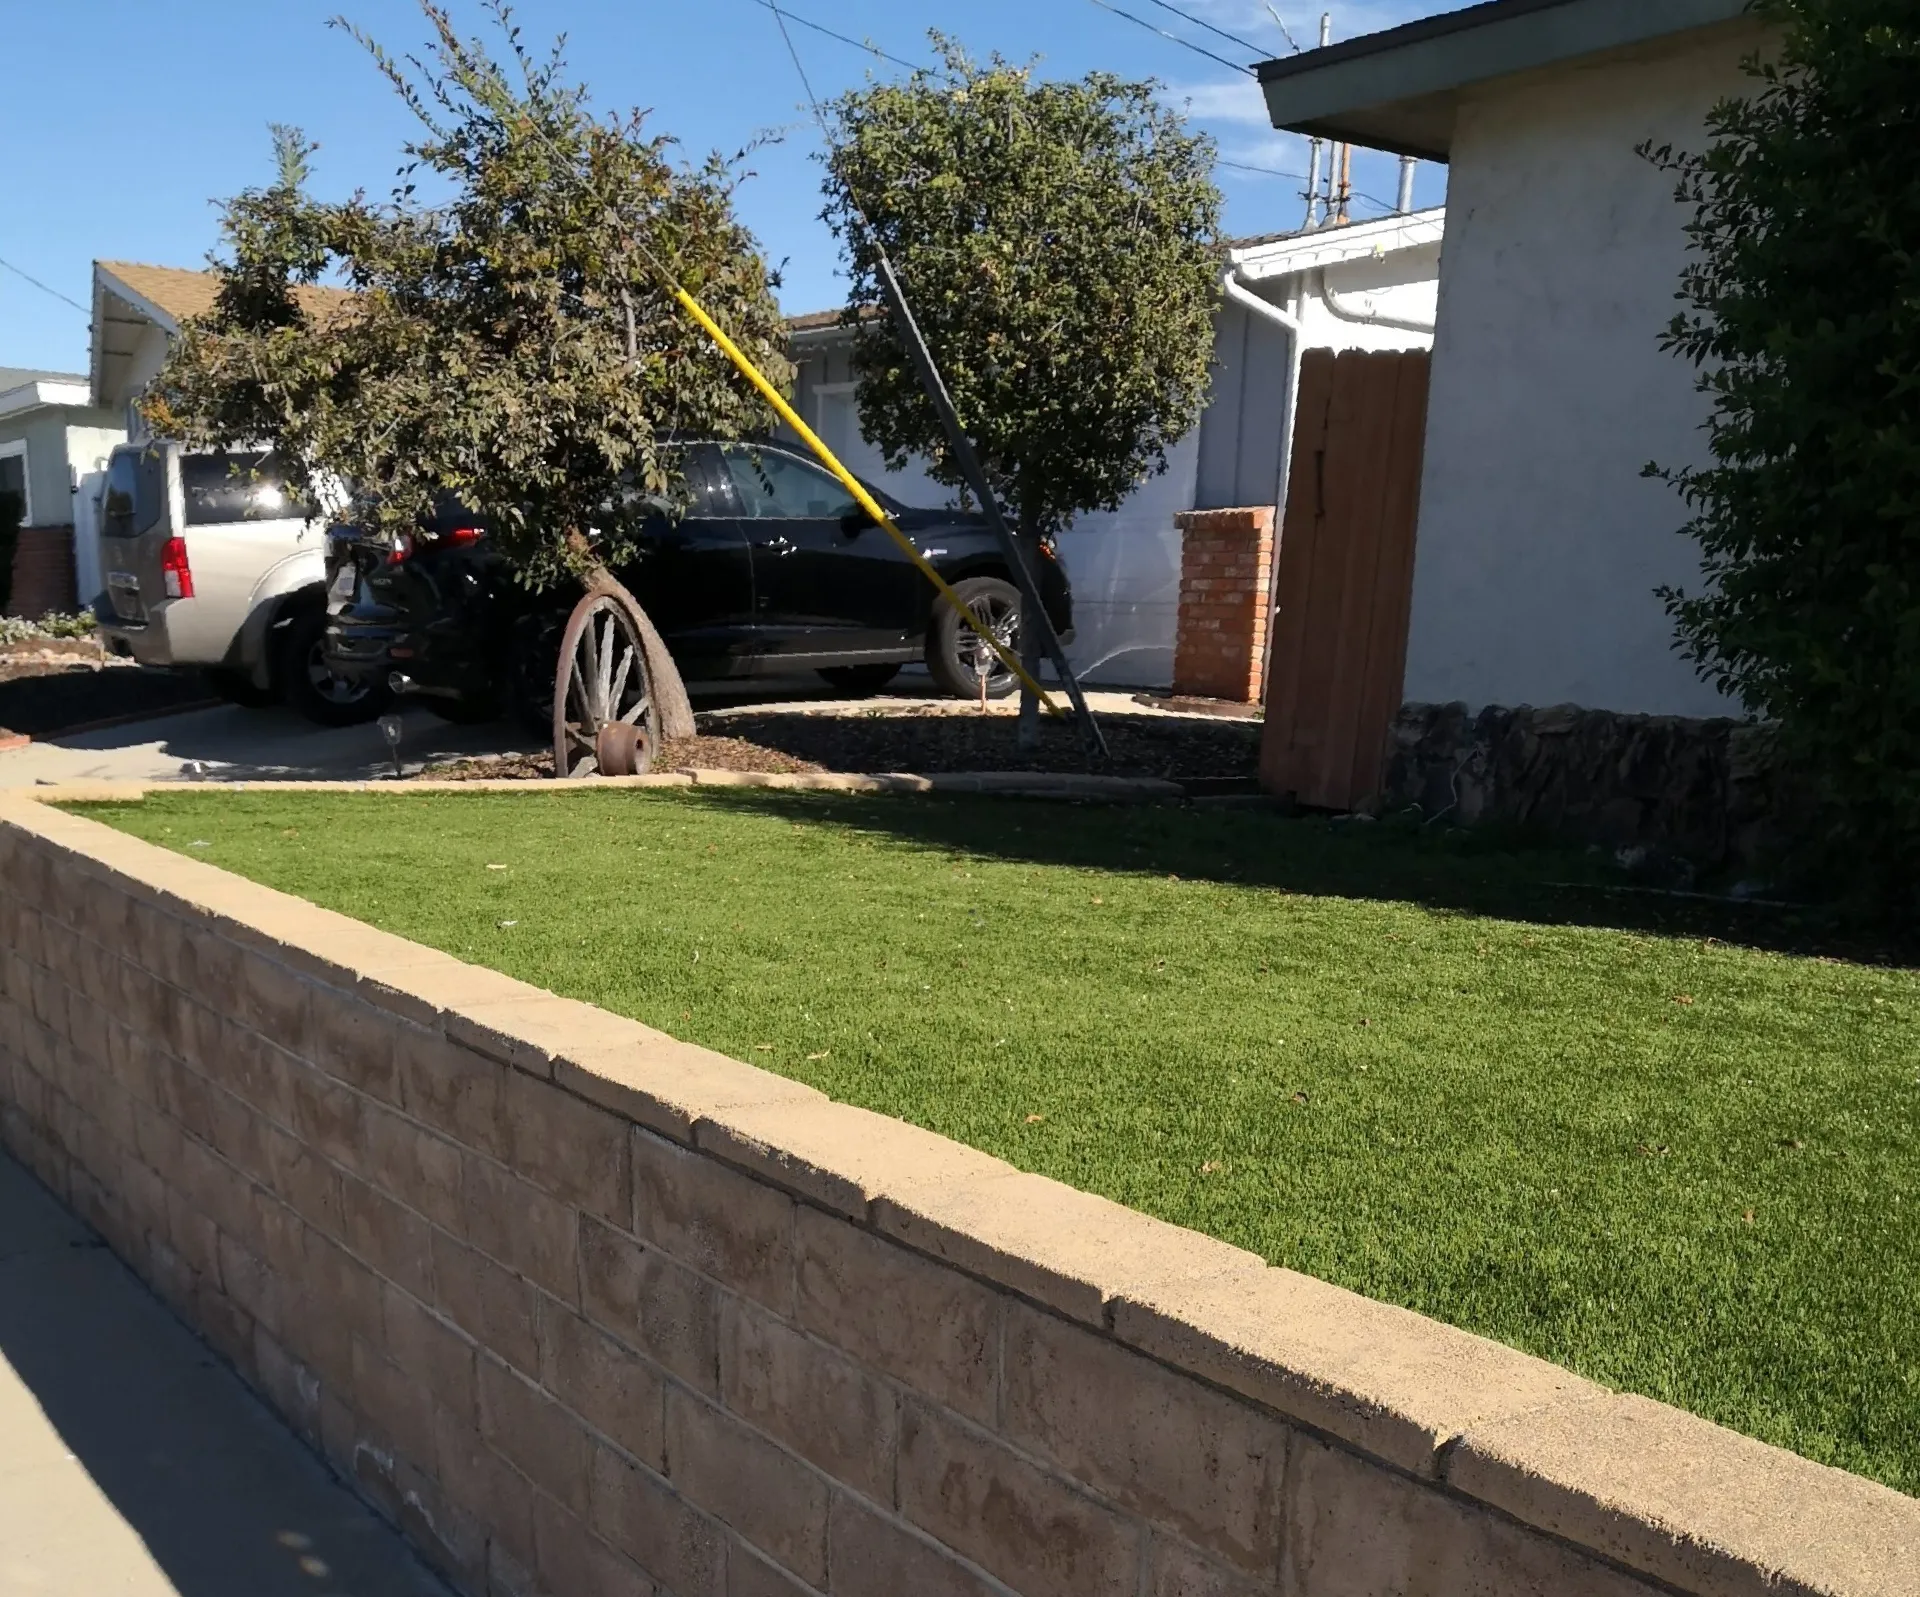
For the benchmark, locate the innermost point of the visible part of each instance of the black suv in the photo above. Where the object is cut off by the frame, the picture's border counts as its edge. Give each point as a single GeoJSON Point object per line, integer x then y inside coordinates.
{"type": "Point", "coordinates": [771, 569]}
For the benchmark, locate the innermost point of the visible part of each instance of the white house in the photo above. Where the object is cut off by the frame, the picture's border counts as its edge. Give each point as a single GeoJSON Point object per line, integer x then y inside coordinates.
{"type": "Point", "coordinates": [1371, 285]}
{"type": "Point", "coordinates": [53, 440]}
{"type": "Point", "coordinates": [1540, 543]}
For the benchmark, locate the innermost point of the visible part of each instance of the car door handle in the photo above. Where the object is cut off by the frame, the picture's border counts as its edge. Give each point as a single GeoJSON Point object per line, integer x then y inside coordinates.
{"type": "Point", "coordinates": [778, 544]}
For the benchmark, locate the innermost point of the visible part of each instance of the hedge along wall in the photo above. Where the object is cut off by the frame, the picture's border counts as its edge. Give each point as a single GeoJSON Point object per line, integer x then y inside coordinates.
{"type": "Point", "coordinates": [586, 1310]}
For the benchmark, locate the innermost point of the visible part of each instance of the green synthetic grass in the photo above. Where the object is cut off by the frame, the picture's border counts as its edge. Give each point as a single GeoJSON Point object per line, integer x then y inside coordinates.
{"type": "Point", "coordinates": [1679, 1163]}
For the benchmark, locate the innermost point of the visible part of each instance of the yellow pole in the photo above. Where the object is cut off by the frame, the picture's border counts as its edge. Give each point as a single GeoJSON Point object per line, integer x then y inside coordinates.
{"type": "Point", "coordinates": [854, 486]}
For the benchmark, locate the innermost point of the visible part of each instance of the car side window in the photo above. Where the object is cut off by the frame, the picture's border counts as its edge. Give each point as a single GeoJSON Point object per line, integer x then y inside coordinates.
{"type": "Point", "coordinates": [772, 485]}
{"type": "Point", "coordinates": [706, 484]}
{"type": "Point", "coordinates": [225, 488]}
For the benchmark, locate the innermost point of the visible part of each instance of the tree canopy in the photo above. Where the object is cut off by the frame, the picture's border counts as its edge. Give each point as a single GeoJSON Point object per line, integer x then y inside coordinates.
{"type": "Point", "coordinates": [1803, 316]}
{"type": "Point", "coordinates": [1056, 241]}
{"type": "Point", "coordinates": [510, 338]}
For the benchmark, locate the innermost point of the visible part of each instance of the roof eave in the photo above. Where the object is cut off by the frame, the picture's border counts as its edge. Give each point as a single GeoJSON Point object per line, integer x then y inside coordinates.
{"type": "Point", "coordinates": [45, 395]}
{"type": "Point", "coordinates": [1399, 90]}
{"type": "Point", "coordinates": [1329, 246]}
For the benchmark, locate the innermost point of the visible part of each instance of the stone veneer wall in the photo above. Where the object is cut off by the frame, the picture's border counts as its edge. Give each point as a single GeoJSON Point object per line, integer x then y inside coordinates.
{"type": "Point", "coordinates": [1710, 791]}
{"type": "Point", "coordinates": [1226, 571]}
{"type": "Point", "coordinates": [588, 1311]}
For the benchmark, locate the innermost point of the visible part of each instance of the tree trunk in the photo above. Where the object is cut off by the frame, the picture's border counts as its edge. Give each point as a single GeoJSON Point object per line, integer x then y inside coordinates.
{"type": "Point", "coordinates": [672, 707]}
{"type": "Point", "coordinates": [1027, 734]}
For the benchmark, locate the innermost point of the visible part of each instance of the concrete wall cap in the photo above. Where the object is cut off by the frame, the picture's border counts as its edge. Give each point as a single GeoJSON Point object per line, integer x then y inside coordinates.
{"type": "Point", "coordinates": [836, 1155]}
{"type": "Point", "coordinates": [1074, 1251]}
{"type": "Point", "coordinates": [671, 1086]}
{"type": "Point", "coordinates": [1687, 1502]}
{"type": "Point", "coordinates": [1382, 1379]}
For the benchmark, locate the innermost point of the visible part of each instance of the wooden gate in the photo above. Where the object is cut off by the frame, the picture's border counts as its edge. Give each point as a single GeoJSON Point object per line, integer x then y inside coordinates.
{"type": "Point", "coordinates": [1344, 585]}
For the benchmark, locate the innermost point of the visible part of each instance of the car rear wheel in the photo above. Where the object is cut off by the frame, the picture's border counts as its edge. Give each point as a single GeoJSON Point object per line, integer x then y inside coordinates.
{"type": "Point", "coordinates": [236, 687]}
{"type": "Point", "coordinates": [309, 684]}
{"type": "Point", "coordinates": [956, 654]}
{"type": "Point", "coordinates": [859, 680]}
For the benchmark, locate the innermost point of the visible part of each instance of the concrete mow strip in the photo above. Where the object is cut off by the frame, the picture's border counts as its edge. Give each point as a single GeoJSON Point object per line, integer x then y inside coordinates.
{"type": "Point", "coordinates": [1059, 785]}
{"type": "Point", "coordinates": [911, 1267]}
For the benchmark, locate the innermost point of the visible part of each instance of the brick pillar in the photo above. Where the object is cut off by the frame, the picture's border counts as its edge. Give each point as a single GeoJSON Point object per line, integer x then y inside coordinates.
{"type": "Point", "coordinates": [43, 572]}
{"type": "Point", "coordinates": [1226, 563]}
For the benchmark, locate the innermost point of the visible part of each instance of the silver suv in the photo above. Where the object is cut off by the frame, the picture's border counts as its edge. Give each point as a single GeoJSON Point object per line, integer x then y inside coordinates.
{"type": "Point", "coordinates": [211, 565]}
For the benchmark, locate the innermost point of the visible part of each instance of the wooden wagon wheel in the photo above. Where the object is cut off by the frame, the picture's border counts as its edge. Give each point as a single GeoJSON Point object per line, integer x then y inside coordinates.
{"type": "Point", "coordinates": [604, 720]}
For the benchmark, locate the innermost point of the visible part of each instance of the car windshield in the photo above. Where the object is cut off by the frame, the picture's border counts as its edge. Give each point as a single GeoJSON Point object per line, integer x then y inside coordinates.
{"type": "Point", "coordinates": [242, 485]}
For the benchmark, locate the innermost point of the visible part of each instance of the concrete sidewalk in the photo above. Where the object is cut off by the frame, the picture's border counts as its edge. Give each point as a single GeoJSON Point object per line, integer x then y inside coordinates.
{"type": "Point", "coordinates": [134, 1464]}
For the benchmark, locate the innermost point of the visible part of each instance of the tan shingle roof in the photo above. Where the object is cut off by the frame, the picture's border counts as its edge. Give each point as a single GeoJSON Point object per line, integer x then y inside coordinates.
{"type": "Point", "coordinates": [182, 293]}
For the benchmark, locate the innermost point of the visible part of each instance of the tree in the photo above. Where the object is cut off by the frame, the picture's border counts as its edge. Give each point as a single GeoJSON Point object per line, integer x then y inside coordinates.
{"type": "Point", "coordinates": [1057, 243]}
{"type": "Point", "coordinates": [1804, 320]}
{"type": "Point", "coordinates": [510, 341]}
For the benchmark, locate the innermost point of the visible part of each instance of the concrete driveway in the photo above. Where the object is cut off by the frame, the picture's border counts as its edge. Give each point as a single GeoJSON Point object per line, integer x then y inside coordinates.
{"type": "Point", "coordinates": [229, 744]}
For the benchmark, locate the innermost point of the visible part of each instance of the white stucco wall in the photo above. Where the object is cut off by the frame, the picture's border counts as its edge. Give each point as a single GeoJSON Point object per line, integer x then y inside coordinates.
{"type": "Point", "coordinates": [1540, 543]}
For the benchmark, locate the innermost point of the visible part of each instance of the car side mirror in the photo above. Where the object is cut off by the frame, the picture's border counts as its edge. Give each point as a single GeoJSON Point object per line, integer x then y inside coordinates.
{"type": "Point", "coordinates": [855, 519]}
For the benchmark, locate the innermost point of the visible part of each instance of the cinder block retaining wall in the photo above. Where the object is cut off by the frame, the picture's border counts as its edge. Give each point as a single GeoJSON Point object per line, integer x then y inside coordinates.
{"type": "Point", "coordinates": [590, 1311]}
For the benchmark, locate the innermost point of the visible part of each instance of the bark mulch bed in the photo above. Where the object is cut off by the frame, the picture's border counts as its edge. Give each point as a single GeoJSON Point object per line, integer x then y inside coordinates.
{"type": "Point", "coordinates": [49, 686]}
{"type": "Point", "coordinates": [926, 742]}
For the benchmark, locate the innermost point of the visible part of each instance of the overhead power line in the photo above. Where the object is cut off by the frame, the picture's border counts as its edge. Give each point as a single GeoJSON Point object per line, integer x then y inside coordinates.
{"type": "Point", "coordinates": [1201, 22]}
{"type": "Point", "coordinates": [1264, 171]}
{"type": "Point", "coordinates": [858, 44]}
{"type": "Point", "coordinates": [29, 277]}
{"type": "Point", "coordinates": [1141, 22]}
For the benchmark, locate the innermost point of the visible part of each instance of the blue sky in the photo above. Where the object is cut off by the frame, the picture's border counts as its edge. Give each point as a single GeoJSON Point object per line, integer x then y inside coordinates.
{"type": "Point", "coordinates": [127, 119]}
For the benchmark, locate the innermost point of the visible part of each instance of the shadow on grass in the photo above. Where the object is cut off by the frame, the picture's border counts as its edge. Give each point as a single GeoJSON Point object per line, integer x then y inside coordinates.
{"type": "Point", "coordinates": [1480, 872]}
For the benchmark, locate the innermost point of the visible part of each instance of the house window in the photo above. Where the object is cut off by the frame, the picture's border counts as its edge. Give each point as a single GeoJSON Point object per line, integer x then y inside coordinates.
{"type": "Point", "coordinates": [13, 477]}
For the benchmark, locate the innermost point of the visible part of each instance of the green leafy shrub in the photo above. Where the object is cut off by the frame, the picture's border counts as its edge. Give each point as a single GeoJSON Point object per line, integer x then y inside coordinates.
{"type": "Point", "coordinates": [1803, 317]}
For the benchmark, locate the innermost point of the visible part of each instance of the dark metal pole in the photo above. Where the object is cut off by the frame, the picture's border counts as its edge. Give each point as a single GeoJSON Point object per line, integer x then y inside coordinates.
{"type": "Point", "coordinates": [1031, 609]}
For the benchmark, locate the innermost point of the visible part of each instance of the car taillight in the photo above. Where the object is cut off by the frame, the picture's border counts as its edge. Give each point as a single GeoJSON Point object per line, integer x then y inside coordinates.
{"type": "Point", "coordinates": [461, 536]}
{"type": "Point", "coordinates": [174, 570]}
{"type": "Point", "coordinates": [402, 548]}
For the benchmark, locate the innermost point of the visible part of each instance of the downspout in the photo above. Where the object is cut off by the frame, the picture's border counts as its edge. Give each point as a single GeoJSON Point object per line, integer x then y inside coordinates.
{"type": "Point", "coordinates": [1347, 311]}
{"type": "Point", "coordinates": [1239, 294]}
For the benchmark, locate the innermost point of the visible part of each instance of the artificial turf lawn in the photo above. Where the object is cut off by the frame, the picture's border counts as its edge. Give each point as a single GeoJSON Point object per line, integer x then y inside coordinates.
{"type": "Point", "coordinates": [1679, 1164]}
